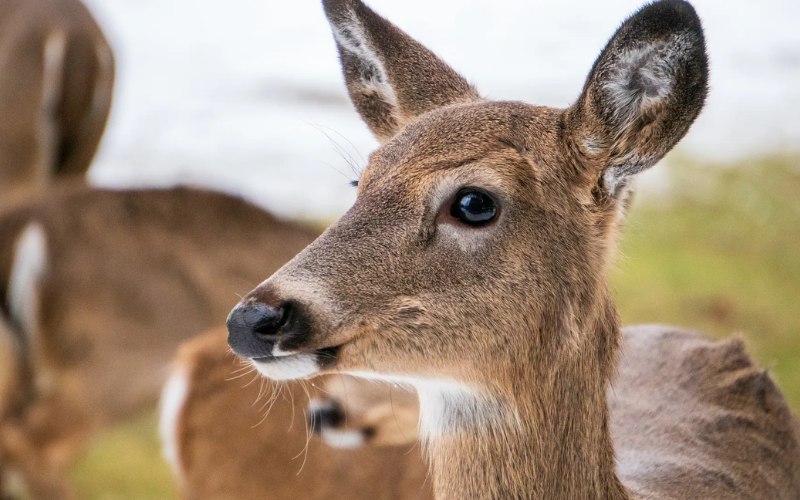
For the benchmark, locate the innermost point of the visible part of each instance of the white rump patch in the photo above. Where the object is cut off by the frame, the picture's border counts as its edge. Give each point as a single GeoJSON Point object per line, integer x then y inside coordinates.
{"type": "Point", "coordinates": [173, 398]}
{"type": "Point", "coordinates": [288, 367]}
{"type": "Point", "coordinates": [350, 35]}
{"type": "Point", "coordinates": [30, 263]}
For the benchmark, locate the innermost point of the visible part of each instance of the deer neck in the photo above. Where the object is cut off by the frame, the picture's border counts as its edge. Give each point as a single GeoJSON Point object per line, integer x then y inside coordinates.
{"type": "Point", "coordinates": [546, 437]}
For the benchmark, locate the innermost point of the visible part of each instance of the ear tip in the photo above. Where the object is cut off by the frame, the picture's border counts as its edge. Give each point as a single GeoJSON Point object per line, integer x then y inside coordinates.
{"type": "Point", "coordinates": [668, 16]}
{"type": "Point", "coordinates": [335, 8]}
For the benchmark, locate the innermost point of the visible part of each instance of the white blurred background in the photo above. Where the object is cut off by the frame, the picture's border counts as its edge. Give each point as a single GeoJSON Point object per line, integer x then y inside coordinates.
{"type": "Point", "coordinates": [246, 95]}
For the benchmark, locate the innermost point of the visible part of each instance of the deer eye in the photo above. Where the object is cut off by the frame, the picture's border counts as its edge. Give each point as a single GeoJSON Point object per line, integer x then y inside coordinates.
{"type": "Point", "coordinates": [473, 207]}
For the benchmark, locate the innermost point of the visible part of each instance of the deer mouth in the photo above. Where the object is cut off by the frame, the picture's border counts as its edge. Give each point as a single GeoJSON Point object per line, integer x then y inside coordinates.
{"type": "Point", "coordinates": [291, 366]}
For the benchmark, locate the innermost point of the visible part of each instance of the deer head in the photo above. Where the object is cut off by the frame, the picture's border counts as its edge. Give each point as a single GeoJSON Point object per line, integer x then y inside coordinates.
{"type": "Point", "coordinates": [473, 262]}
{"type": "Point", "coordinates": [351, 412]}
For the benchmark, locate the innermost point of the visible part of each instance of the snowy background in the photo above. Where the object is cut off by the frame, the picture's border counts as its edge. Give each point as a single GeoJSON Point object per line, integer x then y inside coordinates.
{"type": "Point", "coordinates": [246, 95]}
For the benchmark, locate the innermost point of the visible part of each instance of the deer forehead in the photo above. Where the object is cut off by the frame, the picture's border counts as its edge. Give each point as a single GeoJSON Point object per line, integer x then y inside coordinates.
{"type": "Point", "coordinates": [504, 136]}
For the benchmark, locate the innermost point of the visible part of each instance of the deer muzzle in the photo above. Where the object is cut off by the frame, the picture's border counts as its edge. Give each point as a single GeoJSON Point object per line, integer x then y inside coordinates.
{"type": "Point", "coordinates": [274, 337]}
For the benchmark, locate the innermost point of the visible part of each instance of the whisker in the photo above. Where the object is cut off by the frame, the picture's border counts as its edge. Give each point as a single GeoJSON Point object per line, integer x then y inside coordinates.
{"type": "Point", "coordinates": [291, 421]}
{"type": "Point", "coordinates": [363, 161]}
{"type": "Point", "coordinates": [254, 379]}
{"type": "Point", "coordinates": [308, 431]}
{"type": "Point", "coordinates": [229, 379]}
{"type": "Point", "coordinates": [343, 152]}
{"type": "Point", "coordinates": [270, 402]}
{"type": "Point", "coordinates": [394, 414]}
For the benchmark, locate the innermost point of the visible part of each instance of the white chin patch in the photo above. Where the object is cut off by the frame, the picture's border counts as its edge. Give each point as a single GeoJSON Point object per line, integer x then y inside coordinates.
{"type": "Point", "coordinates": [288, 367]}
{"type": "Point", "coordinates": [342, 439]}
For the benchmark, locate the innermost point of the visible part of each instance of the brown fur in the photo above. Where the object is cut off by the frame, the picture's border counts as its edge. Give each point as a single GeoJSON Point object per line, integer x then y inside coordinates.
{"type": "Point", "coordinates": [695, 418]}
{"type": "Point", "coordinates": [383, 414]}
{"type": "Point", "coordinates": [401, 57]}
{"type": "Point", "coordinates": [56, 79]}
{"type": "Point", "coordinates": [230, 448]}
{"type": "Point", "coordinates": [509, 331]}
{"type": "Point", "coordinates": [129, 276]}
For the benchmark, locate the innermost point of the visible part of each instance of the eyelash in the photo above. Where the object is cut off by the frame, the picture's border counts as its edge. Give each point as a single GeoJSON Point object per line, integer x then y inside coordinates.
{"type": "Point", "coordinates": [354, 183]}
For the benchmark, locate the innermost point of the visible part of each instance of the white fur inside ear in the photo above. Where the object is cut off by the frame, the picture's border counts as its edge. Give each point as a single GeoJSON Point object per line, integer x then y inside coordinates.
{"type": "Point", "coordinates": [643, 76]}
{"type": "Point", "coordinates": [52, 76]}
{"type": "Point", "coordinates": [617, 178]}
{"type": "Point", "coordinates": [30, 262]}
{"type": "Point", "coordinates": [352, 38]}
{"type": "Point", "coordinates": [591, 145]}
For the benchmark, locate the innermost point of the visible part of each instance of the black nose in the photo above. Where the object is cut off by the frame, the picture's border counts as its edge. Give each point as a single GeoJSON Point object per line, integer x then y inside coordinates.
{"type": "Point", "coordinates": [328, 416]}
{"type": "Point", "coordinates": [254, 327]}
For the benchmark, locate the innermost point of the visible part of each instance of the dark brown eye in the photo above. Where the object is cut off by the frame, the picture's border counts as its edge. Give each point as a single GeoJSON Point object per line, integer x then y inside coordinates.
{"type": "Point", "coordinates": [473, 207]}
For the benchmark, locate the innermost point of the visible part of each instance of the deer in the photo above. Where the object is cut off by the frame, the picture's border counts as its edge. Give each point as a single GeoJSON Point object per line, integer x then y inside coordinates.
{"type": "Point", "coordinates": [473, 266]}
{"type": "Point", "coordinates": [227, 437]}
{"type": "Point", "coordinates": [98, 288]}
{"type": "Point", "coordinates": [349, 412]}
{"type": "Point", "coordinates": [56, 83]}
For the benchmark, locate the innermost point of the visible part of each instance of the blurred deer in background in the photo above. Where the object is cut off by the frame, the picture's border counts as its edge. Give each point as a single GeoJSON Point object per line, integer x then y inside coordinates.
{"type": "Point", "coordinates": [227, 438]}
{"type": "Point", "coordinates": [350, 412]}
{"type": "Point", "coordinates": [56, 81]}
{"type": "Point", "coordinates": [97, 290]}
{"type": "Point", "coordinates": [473, 266]}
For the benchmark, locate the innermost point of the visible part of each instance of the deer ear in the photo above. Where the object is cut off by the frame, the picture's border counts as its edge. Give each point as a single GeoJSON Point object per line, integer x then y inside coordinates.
{"type": "Point", "coordinates": [391, 78]}
{"type": "Point", "coordinates": [643, 93]}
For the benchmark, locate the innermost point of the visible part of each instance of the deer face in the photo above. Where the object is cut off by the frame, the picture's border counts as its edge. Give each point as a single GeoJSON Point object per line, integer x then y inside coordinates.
{"type": "Point", "coordinates": [351, 412]}
{"type": "Point", "coordinates": [440, 230]}
{"type": "Point", "coordinates": [482, 230]}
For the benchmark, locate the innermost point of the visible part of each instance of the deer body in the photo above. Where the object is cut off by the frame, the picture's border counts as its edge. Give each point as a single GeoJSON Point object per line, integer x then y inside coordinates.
{"type": "Point", "coordinates": [473, 266]}
{"type": "Point", "coordinates": [56, 79]}
{"type": "Point", "coordinates": [98, 289]}
{"type": "Point", "coordinates": [223, 445]}
{"type": "Point", "coordinates": [695, 418]}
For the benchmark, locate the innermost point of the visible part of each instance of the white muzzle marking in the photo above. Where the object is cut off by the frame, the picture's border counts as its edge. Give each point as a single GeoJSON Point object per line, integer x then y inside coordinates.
{"type": "Point", "coordinates": [288, 367]}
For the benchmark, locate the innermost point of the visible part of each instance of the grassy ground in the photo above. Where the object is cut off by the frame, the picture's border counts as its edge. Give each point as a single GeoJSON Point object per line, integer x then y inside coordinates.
{"type": "Point", "coordinates": [723, 256]}
{"type": "Point", "coordinates": [721, 253]}
{"type": "Point", "coordinates": [125, 463]}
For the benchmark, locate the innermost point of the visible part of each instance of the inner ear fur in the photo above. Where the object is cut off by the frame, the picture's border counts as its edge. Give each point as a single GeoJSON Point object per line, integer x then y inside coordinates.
{"type": "Point", "coordinates": [642, 95]}
{"type": "Point", "coordinates": [391, 78]}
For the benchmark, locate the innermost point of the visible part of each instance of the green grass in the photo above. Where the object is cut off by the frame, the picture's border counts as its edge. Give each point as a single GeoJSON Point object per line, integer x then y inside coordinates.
{"type": "Point", "coordinates": [125, 463]}
{"type": "Point", "coordinates": [721, 254]}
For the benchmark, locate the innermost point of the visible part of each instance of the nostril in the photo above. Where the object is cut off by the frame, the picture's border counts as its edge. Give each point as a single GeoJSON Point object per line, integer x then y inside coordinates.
{"type": "Point", "coordinates": [272, 320]}
{"type": "Point", "coordinates": [253, 328]}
